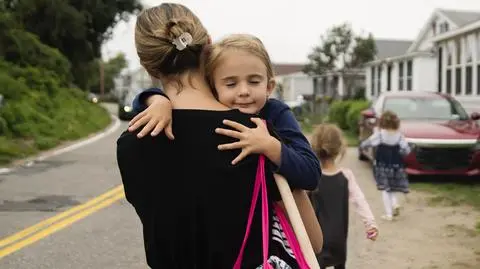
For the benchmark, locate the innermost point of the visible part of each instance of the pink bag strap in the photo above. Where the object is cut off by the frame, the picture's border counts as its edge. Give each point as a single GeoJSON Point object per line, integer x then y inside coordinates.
{"type": "Point", "coordinates": [259, 186]}
{"type": "Point", "coordinates": [291, 238]}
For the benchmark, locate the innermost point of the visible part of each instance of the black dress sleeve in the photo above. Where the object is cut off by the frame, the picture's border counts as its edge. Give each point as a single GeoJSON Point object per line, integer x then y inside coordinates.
{"type": "Point", "coordinates": [139, 161]}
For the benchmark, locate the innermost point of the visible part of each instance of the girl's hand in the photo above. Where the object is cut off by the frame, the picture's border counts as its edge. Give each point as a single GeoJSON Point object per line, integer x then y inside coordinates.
{"type": "Point", "coordinates": [157, 116]}
{"type": "Point", "coordinates": [251, 140]}
{"type": "Point", "coordinates": [372, 233]}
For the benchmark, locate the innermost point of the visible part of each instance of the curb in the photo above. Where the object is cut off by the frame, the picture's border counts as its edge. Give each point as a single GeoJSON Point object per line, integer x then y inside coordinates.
{"type": "Point", "coordinates": [77, 144]}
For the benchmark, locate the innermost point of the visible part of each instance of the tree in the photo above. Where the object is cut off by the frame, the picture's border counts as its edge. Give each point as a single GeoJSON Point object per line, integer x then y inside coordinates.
{"type": "Point", "coordinates": [77, 28]}
{"type": "Point", "coordinates": [112, 68]}
{"type": "Point", "coordinates": [341, 51]}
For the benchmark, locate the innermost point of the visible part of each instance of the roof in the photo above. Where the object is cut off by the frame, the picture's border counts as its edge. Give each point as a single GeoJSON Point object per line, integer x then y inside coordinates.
{"type": "Point", "coordinates": [285, 69]}
{"type": "Point", "coordinates": [387, 48]}
{"type": "Point", "coordinates": [461, 18]}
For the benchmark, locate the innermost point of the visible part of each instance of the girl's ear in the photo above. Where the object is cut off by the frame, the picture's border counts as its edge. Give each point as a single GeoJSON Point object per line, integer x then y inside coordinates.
{"type": "Point", "coordinates": [271, 86]}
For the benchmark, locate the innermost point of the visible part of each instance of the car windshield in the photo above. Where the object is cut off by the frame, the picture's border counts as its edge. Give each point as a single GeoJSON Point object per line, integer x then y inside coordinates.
{"type": "Point", "coordinates": [426, 108]}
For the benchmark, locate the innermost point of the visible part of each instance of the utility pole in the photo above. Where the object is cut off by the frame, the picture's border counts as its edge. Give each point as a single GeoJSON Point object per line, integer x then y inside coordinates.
{"type": "Point", "coordinates": [102, 78]}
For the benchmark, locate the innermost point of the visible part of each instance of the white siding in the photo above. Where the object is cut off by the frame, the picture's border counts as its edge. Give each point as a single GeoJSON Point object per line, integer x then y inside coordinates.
{"type": "Point", "coordinates": [425, 74]}
{"type": "Point", "coordinates": [469, 57]}
{"type": "Point", "coordinates": [368, 82]}
{"type": "Point", "coordinates": [295, 85]}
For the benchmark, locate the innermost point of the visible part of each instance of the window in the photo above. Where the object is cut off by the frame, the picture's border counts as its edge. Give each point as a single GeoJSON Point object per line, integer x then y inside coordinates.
{"type": "Point", "coordinates": [400, 76]}
{"type": "Point", "coordinates": [468, 74]}
{"type": "Point", "coordinates": [440, 69]}
{"type": "Point", "coordinates": [449, 81]}
{"type": "Point", "coordinates": [372, 78]}
{"type": "Point", "coordinates": [478, 79]}
{"type": "Point", "coordinates": [469, 49]}
{"type": "Point", "coordinates": [478, 47]}
{"type": "Point", "coordinates": [458, 50]}
{"type": "Point", "coordinates": [444, 27]}
{"type": "Point", "coordinates": [448, 47]}
{"type": "Point", "coordinates": [409, 75]}
{"type": "Point", "coordinates": [389, 78]}
{"type": "Point", "coordinates": [458, 80]}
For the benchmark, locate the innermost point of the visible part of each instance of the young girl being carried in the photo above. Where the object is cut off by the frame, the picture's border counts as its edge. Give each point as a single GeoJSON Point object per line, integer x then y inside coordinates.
{"type": "Point", "coordinates": [239, 71]}
{"type": "Point", "coordinates": [331, 199]}
{"type": "Point", "coordinates": [390, 147]}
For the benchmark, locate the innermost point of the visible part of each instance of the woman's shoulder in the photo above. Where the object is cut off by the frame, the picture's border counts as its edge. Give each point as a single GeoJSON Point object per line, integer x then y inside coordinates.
{"type": "Point", "coordinates": [129, 142]}
{"type": "Point", "coordinates": [210, 117]}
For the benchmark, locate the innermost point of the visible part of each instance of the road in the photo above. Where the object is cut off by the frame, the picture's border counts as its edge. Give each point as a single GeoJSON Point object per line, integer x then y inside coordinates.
{"type": "Point", "coordinates": [108, 238]}
{"type": "Point", "coordinates": [107, 235]}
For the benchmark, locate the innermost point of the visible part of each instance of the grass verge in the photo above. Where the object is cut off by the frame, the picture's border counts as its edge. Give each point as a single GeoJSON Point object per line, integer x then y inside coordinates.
{"type": "Point", "coordinates": [91, 119]}
{"type": "Point", "coordinates": [452, 194]}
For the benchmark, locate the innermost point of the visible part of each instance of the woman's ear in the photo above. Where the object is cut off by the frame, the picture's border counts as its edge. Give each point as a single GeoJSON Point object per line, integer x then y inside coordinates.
{"type": "Point", "coordinates": [209, 42]}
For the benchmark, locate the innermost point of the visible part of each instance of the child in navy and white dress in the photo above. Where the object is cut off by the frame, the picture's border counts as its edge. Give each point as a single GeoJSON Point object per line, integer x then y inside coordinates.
{"type": "Point", "coordinates": [389, 169]}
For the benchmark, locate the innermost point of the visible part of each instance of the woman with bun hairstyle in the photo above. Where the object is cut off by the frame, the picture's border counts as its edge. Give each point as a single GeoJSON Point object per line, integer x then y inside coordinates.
{"type": "Point", "coordinates": [194, 210]}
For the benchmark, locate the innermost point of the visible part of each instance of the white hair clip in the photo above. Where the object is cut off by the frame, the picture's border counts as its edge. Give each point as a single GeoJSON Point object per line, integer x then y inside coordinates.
{"type": "Point", "coordinates": [182, 41]}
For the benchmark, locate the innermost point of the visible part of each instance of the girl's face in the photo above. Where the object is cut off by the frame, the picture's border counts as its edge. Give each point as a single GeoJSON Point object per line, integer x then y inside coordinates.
{"type": "Point", "coordinates": [241, 81]}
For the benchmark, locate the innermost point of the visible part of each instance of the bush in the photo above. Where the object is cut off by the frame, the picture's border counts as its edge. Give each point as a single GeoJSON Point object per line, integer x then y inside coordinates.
{"type": "Point", "coordinates": [347, 113]}
{"type": "Point", "coordinates": [38, 112]}
{"type": "Point", "coordinates": [338, 112]}
{"type": "Point", "coordinates": [353, 115]}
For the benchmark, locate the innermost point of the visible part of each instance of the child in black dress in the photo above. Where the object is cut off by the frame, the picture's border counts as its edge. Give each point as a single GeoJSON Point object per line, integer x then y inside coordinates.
{"type": "Point", "coordinates": [331, 199]}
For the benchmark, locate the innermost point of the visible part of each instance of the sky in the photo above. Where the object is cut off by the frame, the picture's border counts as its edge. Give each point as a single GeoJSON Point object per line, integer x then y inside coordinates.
{"type": "Point", "coordinates": [291, 28]}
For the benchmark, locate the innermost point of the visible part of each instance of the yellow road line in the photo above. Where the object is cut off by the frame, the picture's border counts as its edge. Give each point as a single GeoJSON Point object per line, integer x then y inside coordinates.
{"type": "Point", "coordinates": [19, 235]}
{"type": "Point", "coordinates": [59, 225]}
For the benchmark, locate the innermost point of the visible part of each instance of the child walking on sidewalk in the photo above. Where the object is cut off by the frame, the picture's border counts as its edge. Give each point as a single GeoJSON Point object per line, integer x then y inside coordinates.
{"type": "Point", "coordinates": [390, 147]}
{"type": "Point", "coordinates": [331, 199]}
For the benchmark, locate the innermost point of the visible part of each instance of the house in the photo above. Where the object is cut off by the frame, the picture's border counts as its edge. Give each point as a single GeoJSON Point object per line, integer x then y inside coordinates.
{"type": "Point", "coordinates": [444, 57]}
{"type": "Point", "coordinates": [293, 81]}
{"type": "Point", "coordinates": [340, 84]}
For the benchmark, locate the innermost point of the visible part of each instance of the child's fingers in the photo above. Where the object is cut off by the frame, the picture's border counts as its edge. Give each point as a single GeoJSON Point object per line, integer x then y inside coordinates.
{"type": "Point", "coordinates": [230, 133]}
{"type": "Point", "coordinates": [158, 128]}
{"type": "Point", "coordinates": [136, 118]}
{"type": "Point", "coordinates": [168, 131]}
{"type": "Point", "coordinates": [234, 145]}
{"type": "Point", "coordinates": [240, 157]}
{"type": "Point", "coordinates": [150, 125]}
{"type": "Point", "coordinates": [235, 125]}
{"type": "Point", "coordinates": [259, 122]}
{"type": "Point", "coordinates": [139, 122]}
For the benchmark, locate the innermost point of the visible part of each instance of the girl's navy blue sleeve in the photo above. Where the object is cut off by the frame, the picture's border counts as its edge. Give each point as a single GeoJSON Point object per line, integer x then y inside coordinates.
{"type": "Point", "coordinates": [139, 102]}
{"type": "Point", "coordinates": [299, 164]}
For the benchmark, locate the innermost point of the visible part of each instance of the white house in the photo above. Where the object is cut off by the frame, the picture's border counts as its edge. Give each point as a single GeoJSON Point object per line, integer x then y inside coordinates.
{"type": "Point", "coordinates": [442, 58]}
{"type": "Point", "coordinates": [458, 61]}
{"type": "Point", "coordinates": [339, 85]}
{"type": "Point", "coordinates": [294, 82]}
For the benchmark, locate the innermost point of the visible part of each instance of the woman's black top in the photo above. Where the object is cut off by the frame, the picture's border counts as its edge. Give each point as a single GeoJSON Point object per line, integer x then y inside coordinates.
{"type": "Point", "coordinates": [192, 202]}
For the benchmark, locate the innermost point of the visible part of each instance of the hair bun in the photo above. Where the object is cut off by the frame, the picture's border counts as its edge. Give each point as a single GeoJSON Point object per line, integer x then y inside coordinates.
{"type": "Point", "coordinates": [176, 27]}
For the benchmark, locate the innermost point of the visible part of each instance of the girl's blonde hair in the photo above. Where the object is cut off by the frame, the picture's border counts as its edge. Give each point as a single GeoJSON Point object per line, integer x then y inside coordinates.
{"type": "Point", "coordinates": [328, 142]}
{"type": "Point", "coordinates": [155, 31]}
{"type": "Point", "coordinates": [389, 120]}
{"type": "Point", "coordinates": [241, 42]}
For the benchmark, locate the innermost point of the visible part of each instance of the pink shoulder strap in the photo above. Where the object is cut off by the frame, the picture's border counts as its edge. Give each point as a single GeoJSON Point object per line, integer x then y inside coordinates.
{"type": "Point", "coordinates": [260, 185]}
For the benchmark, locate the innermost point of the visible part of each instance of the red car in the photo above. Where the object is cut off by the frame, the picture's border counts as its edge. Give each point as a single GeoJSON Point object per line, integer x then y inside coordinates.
{"type": "Point", "coordinates": [443, 137]}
